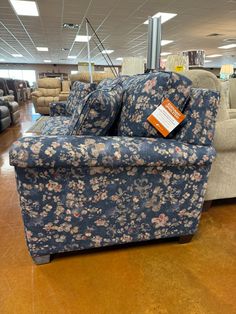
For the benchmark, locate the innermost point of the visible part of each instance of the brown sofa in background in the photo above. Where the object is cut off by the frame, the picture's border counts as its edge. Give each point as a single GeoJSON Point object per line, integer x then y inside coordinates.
{"type": "Point", "coordinates": [48, 91]}
{"type": "Point", "coordinates": [85, 76]}
{"type": "Point", "coordinates": [65, 91]}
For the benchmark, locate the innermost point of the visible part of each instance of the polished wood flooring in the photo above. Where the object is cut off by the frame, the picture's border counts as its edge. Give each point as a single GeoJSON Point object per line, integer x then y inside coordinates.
{"type": "Point", "coordinates": [161, 278]}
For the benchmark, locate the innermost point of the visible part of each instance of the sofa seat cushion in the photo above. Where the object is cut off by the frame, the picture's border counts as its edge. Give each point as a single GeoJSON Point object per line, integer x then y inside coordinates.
{"type": "Point", "coordinates": [79, 90]}
{"type": "Point", "coordinates": [96, 113]}
{"type": "Point", "coordinates": [56, 126]}
{"type": "Point", "coordinates": [143, 94]}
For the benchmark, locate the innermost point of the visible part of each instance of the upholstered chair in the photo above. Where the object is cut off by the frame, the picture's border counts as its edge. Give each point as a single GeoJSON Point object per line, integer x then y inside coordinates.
{"type": "Point", "coordinates": [222, 178]}
{"type": "Point", "coordinates": [13, 107]}
{"type": "Point", "coordinates": [48, 91]}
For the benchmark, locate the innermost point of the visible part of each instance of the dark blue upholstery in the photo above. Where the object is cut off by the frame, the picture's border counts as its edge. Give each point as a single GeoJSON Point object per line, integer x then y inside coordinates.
{"type": "Point", "coordinates": [80, 192]}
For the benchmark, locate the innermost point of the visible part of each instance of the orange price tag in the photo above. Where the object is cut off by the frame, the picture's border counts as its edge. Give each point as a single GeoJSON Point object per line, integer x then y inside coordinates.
{"type": "Point", "coordinates": [166, 117]}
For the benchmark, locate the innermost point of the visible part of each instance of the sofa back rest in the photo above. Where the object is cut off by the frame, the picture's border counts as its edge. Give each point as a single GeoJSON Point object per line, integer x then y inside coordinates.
{"type": "Point", "coordinates": [143, 94]}
{"type": "Point", "coordinates": [52, 92]}
{"type": "Point", "coordinates": [85, 76]}
{"type": "Point", "coordinates": [207, 80]}
{"type": "Point", "coordinates": [49, 83]}
{"type": "Point", "coordinates": [232, 93]}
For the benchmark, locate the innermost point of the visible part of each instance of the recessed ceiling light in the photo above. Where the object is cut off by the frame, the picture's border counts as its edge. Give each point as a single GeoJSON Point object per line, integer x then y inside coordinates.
{"type": "Point", "coordinates": [214, 56]}
{"type": "Point", "coordinates": [228, 46]}
{"type": "Point", "coordinates": [107, 51]}
{"type": "Point", "coordinates": [207, 61]}
{"type": "Point", "coordinates": [42, 48]}
{"type": "Point", "coordinates": [28, 8]}
{"type": "Point", "coordinates": [119, 59]}
{"type": "Point", "coordinates": [164, 17]}
{"type": "Point", "coordinates": [165, 53]}
{"type": "Point", "coordinates": [47, 61]}
{"type": "Point", "coordinates": [82, 38]}
{"type": "Point", "coordinates": [72, 57]}
{"type": "Point", "coordinates": [16, 55]}
{"type": "Point", "coordinates": [166, 42]}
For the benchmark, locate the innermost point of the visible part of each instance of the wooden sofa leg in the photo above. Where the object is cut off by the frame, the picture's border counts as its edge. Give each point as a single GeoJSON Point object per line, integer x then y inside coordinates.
{"type": "Point", "coordinates": [185, 238]}
{"type": "Point", "coordinates": [206, 205]}
{"type": "Point", "coordinates": [39, 260]}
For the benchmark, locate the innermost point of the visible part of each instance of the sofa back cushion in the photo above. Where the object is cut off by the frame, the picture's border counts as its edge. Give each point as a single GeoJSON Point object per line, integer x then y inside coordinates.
{"type": "Point", "coordinates": [198, 126]}
{"type": "Point", "coordinates": [143, 94]}
{"type": "Point", "coordinates": [96, 113]}
{"type": "Point", "coordinates": [79, 90]}
{"type": "Point", "coordinates": [49, 92]}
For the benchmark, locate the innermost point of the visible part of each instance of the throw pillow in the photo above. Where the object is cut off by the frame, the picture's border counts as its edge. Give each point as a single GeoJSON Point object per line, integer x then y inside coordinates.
{"type": "Point", "coordinates": [79, 90]}
{"type": "Point", "coordinates": [97, 112]}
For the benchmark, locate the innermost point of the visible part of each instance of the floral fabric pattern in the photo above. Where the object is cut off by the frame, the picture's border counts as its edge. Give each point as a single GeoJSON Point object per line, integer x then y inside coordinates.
{"type": "Point", "coordinates": [56, 125]}
{"type": "Point", "coordinates": [88, 191]}
{"type": "Point", "coordinates": [98, 111]}
{"type": "Point", "coordinates": [143, 94]}
{"type": "Point", "coordinates": [79, 90]}
{"type": "Point", "coordinates": [199, 125]}
{"type": "Point", "coordinates": [57, 109]}
{"type": "Point", "coordinates": [85, 191]}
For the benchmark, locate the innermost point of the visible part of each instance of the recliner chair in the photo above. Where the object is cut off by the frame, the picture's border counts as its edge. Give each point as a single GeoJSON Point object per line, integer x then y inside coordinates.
{"type": "Point", "coordinates": [47, 92]}
{"type": "Point", "coordinates": [13, 107]}
{"type": "Point", "coordinates": [5, 118]}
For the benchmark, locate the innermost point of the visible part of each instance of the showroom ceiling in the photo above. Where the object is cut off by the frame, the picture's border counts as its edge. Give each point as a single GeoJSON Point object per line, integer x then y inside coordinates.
{"type": "Point", "coordinates": [119, 24]}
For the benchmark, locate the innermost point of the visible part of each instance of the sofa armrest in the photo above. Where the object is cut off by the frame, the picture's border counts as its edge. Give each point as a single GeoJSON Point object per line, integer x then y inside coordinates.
{"type": "Point", "coordinates": [57, 109]}
{"type": "Point", "coordinates": [232, 113]}
{"type": "Point", "coordinates": [36, 94]}
{"type": "Point", "coordinates": [96, 151]}
{"type": "Point", "coordinates": [225, 135]}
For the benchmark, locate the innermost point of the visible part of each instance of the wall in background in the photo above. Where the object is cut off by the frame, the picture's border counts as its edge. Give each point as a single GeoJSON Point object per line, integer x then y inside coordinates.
{"type": "Point", "coordinates": [60, 68]}
{"type": "Point", "coordinates": [39, 68]}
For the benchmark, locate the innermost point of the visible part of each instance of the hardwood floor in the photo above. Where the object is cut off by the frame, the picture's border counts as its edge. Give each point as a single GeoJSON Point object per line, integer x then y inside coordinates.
{"type": "Point", "coordinates": [194, 278]}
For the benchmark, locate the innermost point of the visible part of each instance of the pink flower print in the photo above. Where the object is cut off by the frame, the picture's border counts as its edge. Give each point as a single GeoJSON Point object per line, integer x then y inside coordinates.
{"type": "Point", "coordinates": [160, 221]}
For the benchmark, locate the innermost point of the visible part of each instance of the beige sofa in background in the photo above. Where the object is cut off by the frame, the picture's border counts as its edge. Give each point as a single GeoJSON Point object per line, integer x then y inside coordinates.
{"type": "Point", "coordinates": [222, 179]}
{"type": "Point", "coordinates": [64, 94]}
{"type": "Point", "coordinates": [48, 91]}
{"type": "Point", "coordinates": [85, 76]}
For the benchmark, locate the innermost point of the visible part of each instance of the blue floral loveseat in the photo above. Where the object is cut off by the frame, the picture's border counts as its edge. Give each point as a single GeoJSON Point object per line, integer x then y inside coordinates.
{"type": "Point", "coordinates": [81, 188]}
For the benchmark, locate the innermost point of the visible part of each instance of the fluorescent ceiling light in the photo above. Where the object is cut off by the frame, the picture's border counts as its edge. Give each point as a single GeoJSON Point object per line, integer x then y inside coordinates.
{"type": "Point", "coordinates": [165, 53]}
{"type": "Point", "coordinates": [28, 8]}
{"type": "Point", "coordinates": [164, 17]}
{"type": "Point", "coordinates": [214, 56]}
{"type": "Point", "coordinates": [107, 51]}
{"type": "Point", "coordinates": [47, 61]}
{"type": "Point", "coordinates": [207, 61]}
{"type": "Point", "coordinates": [16, 55]}
{"type": "Point", "coordinates": [72, 57]}
{"type": "Point", "coordinates": [42, 48]}
{"type": "Point", "coordinates": [119, 59]}
{"type": "Point", "coordinates": [82, 38]}
{"type": "Point", "coordinates": [166, 42]}
{"type": "Point", "coordinates": [1, 60]}
{"type": "Point", "coordinates": [228, 46]}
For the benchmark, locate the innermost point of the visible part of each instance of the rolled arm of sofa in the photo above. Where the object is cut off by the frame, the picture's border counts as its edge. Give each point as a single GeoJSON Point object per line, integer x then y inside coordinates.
{"type": "Point", "coordinates": [95, 151]}
{"type": "Point", "coordinates": [57, 109]}
{"type": "Point", "coordinates": [225, 135]}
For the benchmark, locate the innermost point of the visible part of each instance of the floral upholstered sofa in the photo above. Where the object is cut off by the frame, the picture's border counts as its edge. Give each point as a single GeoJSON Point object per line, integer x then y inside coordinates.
{"type": "Point", "coordinates": [81, 188]}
